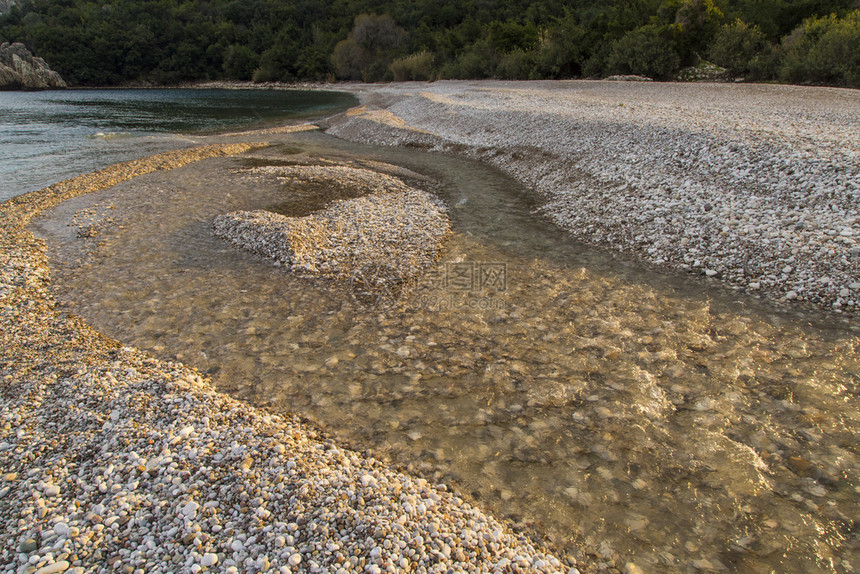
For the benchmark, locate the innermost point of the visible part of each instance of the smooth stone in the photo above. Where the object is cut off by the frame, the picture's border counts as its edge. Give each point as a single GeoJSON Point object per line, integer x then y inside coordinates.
{"type": "Point", "coordinates": [190, 509]}
{"type": "Point", "coordinates": [60, 566]}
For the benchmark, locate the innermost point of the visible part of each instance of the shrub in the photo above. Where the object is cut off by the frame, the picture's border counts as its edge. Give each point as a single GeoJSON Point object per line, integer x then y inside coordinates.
{"type": "Point", "coordinates": [277, 64]}
{"type": "Point", "coordinates": [735, 46]}
{"type": "Point", "coordinates": [506, 37]}
{"type": "Point", "coordinates": [835, 58]}
{"type": "Point", "coordinates": [369, 49]}
{"type": "Point", "coordinates": [823, 50]}
{"type": "Point", "coordinates": [696, 22]}
{"type": "Point", "coordinates": [417, 67]}
{"type": "Point", "coordinates": [517, 65]}
{"type": "Point", "coordinates": [595, 65]}
{"type": "Point", "coordinates": [646, 51]}
{"type": "Point", "coordinates": [562, 51]}
{"type": "Point", "coordinates": [476, 62]}
{"type": "Point", "coordinates": [765, 65]}
{"type": "Point", "coordinates": [240, 62]}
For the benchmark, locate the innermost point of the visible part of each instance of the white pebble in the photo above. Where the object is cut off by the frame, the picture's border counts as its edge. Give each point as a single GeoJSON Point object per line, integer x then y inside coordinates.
{"type": "Point", "coordinates": [59, 566]}
{"type": "Point", "coordinates": [190, 509]}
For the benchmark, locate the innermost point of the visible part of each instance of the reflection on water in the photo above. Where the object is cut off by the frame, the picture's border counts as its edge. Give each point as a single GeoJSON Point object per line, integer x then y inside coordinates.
{"type": "Point", "coordinates": [628, 415]}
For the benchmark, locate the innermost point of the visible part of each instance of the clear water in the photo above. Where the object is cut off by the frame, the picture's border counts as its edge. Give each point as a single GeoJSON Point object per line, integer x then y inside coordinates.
{"type": "Point", "coordinates": [49, 136]}
{"type": "Point", "coordinates": [629, 415]}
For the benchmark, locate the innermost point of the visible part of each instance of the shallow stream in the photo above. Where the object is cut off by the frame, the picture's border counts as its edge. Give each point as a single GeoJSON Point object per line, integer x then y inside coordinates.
{"type": "Point", "coordinates": [629, 415]}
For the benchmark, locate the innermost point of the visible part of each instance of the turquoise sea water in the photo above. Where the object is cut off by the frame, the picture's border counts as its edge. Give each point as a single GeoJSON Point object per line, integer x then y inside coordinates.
{"type": "Point", "coordinates": [49, 136]}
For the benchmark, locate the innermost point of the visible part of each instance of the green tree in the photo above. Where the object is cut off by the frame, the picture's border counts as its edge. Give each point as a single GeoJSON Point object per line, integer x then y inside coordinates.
{"type": "Point", "coordinates": [167, 41]}
{"type": "Point", "coordinates": [240, 62]}
{"type": "Point", "coordinates": [475, 62]}
{"type": "Point", "coordinates": [415, 67]}
{"type": "Point", "coordinates": [278, 63]}
{"type": "Point", "coordinates": [509, 36]}
{"type": "Point", "coordinates": [736, 46]}
{"type": "Point", "coordinates": [835, 57]}
{"type": "Point", "coordinates": [368, 51]}
{"type": "Point", "coordinates": [646, 51]}
{"type": "Point", "coordinates": [823, 50]}
{"type": "Point", "coordinates": [563, 49]}
{"type": "Point", "coordinates": [518, 65]}
{"type": "Point", "coordinates": [696, 23]}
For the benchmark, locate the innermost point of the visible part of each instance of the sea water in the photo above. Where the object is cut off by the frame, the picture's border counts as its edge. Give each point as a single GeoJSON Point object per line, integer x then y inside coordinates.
{"type": "Point", "coordinates": [49, 136]}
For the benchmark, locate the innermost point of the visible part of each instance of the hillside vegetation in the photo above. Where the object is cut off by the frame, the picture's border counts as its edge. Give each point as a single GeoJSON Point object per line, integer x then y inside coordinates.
{"type": "Point", "coordinates": [111, 42]}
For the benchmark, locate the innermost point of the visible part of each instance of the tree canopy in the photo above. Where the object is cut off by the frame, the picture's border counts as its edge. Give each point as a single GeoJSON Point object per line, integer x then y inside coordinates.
{"type": "Point", "coordinates": [164, 42]}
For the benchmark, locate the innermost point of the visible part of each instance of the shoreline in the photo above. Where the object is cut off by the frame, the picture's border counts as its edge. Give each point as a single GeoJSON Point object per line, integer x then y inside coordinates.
{"type": "Point", "coordinates": [111, 457]}
{"type": "Point", "coordinates": [753, 185]}
{"type": "Point", "coordinates": [382, 86]}
{"type": "Point", "coordinates": [105, 448]}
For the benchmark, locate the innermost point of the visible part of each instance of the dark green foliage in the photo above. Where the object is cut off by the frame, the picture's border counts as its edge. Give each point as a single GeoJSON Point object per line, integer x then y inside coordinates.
{"type": "Point", "coordinates": [475, 62]}
{"type": "Point", "coordinates": [824, 50]}
{"type": "Point", "coordinates": [509, 36]}
{"type": "Point", "coordinates": [696, 23]}
{"type": "Point", "coordinates": [108, 42]}
{"type": "Point", "coordinates": [240, 62]}
{"type": "Point", "coordinates": [646, 51]}
{"type": "Point", "coordinates": [416, 67]}
{"type": "Point", "coordinates": [563, 50]}
{"type": "Point", "coordinates": [517, 65]}
{"type": "Point", "coordinates": [369, 49]}
{"type": "Point", "coordinates": [737, 46]}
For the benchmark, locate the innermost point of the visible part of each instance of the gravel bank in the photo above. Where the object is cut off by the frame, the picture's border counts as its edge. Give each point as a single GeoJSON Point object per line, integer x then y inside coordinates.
{"type": "Point", "coordinates": [390, 233]}
{"type": "Point", "coordinates": [113, 461]}
{"type": "Point", "coordinates": [756, 186]}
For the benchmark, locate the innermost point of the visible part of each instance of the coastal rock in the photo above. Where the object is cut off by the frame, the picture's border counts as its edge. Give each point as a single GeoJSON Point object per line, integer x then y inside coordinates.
{"type": "Point", "coordinates": [19, 69]}
{"type": "Point", "coordinates": [703, 72]}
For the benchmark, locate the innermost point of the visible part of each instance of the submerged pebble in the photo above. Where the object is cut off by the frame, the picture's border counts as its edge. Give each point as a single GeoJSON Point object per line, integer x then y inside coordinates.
{"type": "Point", "coordinates": [93, 426]}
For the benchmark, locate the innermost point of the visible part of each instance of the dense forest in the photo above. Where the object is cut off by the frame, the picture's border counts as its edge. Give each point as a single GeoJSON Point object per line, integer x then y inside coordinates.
{"type": "Point", "coordinates": [121, 42]}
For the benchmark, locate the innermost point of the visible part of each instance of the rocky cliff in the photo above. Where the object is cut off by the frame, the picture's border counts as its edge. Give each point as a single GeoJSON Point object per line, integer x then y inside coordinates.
{"type": "Point", "coordinates": [20, 70]}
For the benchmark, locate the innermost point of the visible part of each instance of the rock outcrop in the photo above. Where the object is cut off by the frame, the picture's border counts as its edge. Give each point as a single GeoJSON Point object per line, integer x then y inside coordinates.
{"type": "Point", "coordinates": [20, 70]}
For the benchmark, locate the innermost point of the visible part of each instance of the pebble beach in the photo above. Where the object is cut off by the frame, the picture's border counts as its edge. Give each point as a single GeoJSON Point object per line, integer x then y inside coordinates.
{"type": "Point", "coordinates": [754, 186]}
{"type": "Point", "coordinates": [113, 460]}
